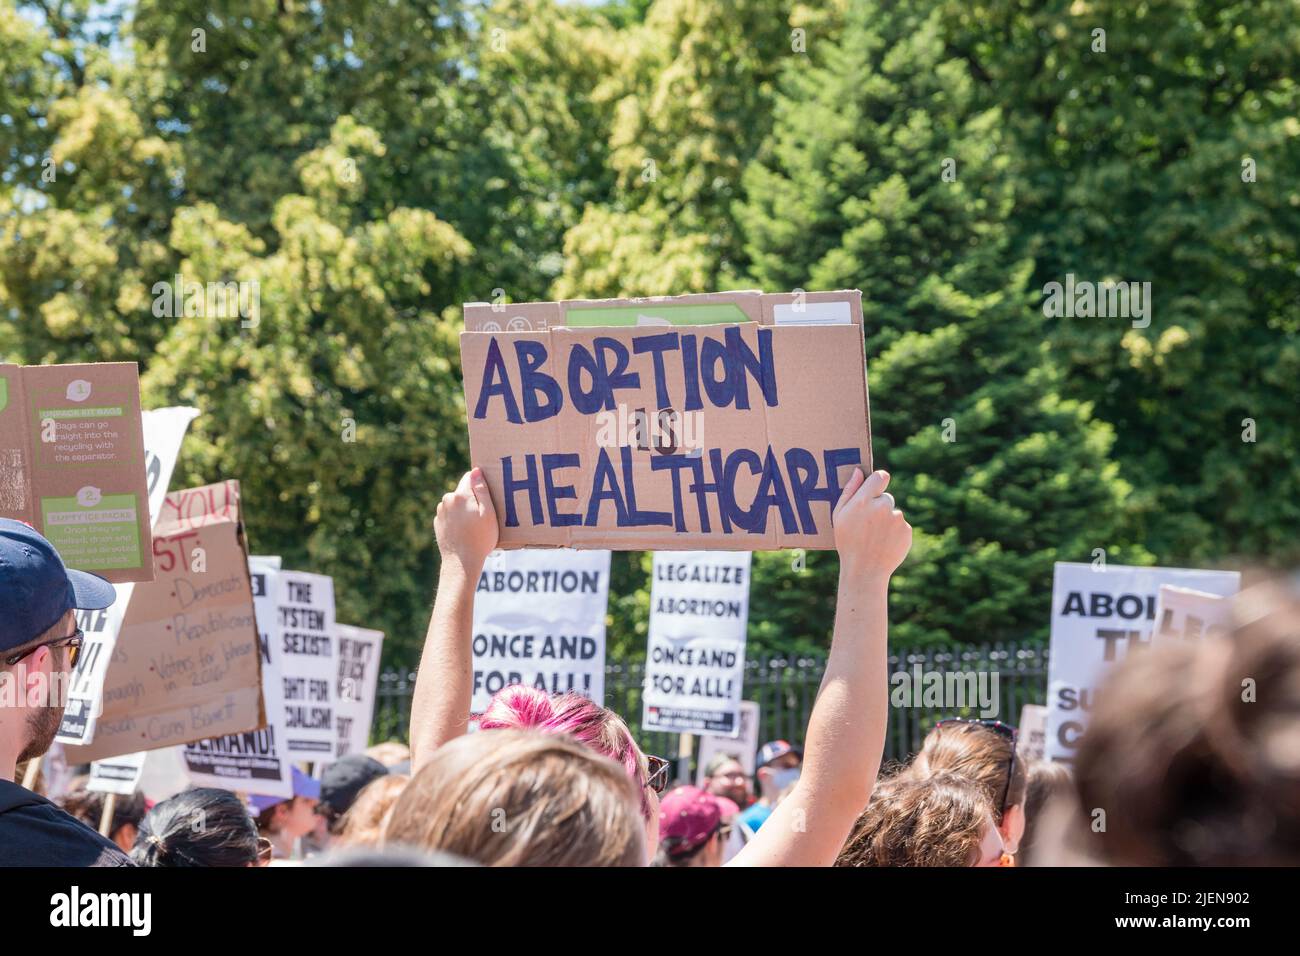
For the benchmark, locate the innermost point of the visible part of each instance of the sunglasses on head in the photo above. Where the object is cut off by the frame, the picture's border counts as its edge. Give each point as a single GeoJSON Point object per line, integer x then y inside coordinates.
{"type": "Point", "coordinates": [1004, 730]}
{"type": "Point", "coordinates": [657, 773]}
{"type": "Point", "coordinates": [73, 640]}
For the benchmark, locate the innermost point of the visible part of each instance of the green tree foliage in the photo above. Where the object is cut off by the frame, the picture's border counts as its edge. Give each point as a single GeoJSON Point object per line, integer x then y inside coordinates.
{"type": "Point", "coordinates": [372, 165]}
{"type": "Point", "coordinates": [1161, 144]}
{"type": "Point", "coordinates": [339, 405]}
{"type": "Point", "coordinates": [888, 173]}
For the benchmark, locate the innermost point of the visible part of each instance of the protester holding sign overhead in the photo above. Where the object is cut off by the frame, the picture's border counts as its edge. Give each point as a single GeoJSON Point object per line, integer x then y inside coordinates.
{"type": "Point", "coordinates": [846, 732]}
{"type": "Point", "coordinates": [39, 643]}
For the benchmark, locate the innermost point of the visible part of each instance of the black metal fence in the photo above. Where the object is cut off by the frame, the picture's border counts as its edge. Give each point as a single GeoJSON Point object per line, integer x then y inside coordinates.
{"type": "Point", "coordinates": [785, 688]}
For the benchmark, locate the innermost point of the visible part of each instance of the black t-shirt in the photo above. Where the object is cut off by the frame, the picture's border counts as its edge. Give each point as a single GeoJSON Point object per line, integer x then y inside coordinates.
{"type": "Point", "coordinates": [34, 832]}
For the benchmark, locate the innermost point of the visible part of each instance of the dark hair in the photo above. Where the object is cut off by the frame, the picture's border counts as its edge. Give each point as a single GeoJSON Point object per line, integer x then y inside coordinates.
{"type": "Point", "coordinates": [1046, 781]}
{"type": "Point", "coordinates": [88, 807]}
{"type": "Point", "coordinates": [201, 827]}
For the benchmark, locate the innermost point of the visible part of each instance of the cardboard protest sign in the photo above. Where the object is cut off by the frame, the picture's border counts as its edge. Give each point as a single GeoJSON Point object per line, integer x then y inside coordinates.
{"type": "Point", "coordinates": [164, 431]}
{"type": "Point", "coordinates": [251, 762]}
{"type": "Point", "coordinates": [725, 422]}
{"type": "Point", "coordinates": [119, 775]}
{"type": "Point", "coordinates": [1032, 744]}
{"type": "Point", "coordinates": [744, 746]}
{"type": "Point", "coordinates": [695, 655]}
{"type": "Point", "coordinates": [1099, 614]}
{"type": "Point", "coordinates": [186, 663]}
{"type": "Point", "coordinates": [1186, 614]}
{"type": "Point", "coordinates": [305, 632]}
{"type": "Point", "coordinates": [539, 620]}
{"type": "Point", "coordinates": [358, 676]}
{"type": "Point", "coordinates": [72, 463]}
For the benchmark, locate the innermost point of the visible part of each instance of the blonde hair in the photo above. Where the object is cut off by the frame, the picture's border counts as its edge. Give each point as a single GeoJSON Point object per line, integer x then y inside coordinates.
{"type": "Point", "coordinates": [938, 820]}
{"type": "Point", "coordinates": [390, 753]}
{"type": "Point", "coordinates": [521, 798]}
{"type": "Point", "coordinates": [363, 824]}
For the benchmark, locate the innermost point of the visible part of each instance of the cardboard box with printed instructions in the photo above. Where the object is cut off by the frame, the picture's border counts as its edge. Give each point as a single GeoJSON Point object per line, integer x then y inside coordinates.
{"type": "Point", "coordinates": [72, 464]}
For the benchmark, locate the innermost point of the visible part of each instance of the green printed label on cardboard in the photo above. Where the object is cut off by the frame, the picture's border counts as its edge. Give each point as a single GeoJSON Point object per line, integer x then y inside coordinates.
{"type": "Point", "coordinates": [93, 531]}
{"type": "Point", "coordinates": [655, 313]}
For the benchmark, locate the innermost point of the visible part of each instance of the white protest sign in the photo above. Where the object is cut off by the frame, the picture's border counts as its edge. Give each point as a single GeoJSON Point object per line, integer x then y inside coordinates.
{"type": "Point", "coordinates": [164, 430]}
{"type": "Point", "coordinates": [1185, 614]}
{"type": "Point", "coordinates": [695, 655]}
{"type": "Point", "coordinates": [539, 620]}
{"type": "Point", "coordinates": [743, 747]}
{"type": "Point", "coordinates": [251, 762]}
{"type": "Point", "coordinates": [1099, 613]}
{"type": "Point", "coordinates": [308, 663]}
{"type": "Point", "coordinates": [117, 774]}
{"type": "Point", "coordinates": [1032, 743]}
{"type": "Point", "coordinates": [354, 706]}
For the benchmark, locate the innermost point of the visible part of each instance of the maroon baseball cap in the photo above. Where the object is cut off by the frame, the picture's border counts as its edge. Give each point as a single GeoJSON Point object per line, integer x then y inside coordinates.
{"type": "Point", "coordinates": [687, 818]}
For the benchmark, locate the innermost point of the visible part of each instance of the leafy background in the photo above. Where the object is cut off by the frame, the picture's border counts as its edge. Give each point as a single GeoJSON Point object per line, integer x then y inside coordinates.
{"type": "Point", "coordinates": [375, 164]}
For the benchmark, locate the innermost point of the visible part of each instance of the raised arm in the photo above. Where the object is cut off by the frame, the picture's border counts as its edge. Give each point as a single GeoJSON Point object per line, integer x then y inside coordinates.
{"type": "Point", "coordinates": [846, 732]}
{"type": "Point", "coordinates": [466, 527]}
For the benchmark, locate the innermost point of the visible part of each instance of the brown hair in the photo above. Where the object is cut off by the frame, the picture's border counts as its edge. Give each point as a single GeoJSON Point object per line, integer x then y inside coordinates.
{"type": "Point", "coordinates": [1193, 751]}
{"type": "Point", "coordinates": [1047, 780]}
{"type": "Point", "coordinates": [88, 807]}
{"type": "Point", "coordinates": [521, 798]}
{"type": "Point", "coordinates": [938, 820]}
{"type": "Point", "coordinates": [979, 754]}
{"type": "Point", "coordinates": [363, 824]}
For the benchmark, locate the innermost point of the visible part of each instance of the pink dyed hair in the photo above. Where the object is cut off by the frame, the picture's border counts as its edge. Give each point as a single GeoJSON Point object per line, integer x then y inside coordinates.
{"type": "Point", "coordinates": [597, 728]}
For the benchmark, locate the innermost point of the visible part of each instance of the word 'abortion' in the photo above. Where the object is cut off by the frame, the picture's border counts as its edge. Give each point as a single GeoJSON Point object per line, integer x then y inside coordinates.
{"type": "Point", "coordinates": [713, 370]}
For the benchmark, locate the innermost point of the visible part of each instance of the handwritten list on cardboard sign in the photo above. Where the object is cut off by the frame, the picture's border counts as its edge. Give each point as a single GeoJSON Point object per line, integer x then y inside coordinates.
{"type": "Point", "coordinates": [186, 664]}
{"type": "Point", "coordinates": [732, 427]}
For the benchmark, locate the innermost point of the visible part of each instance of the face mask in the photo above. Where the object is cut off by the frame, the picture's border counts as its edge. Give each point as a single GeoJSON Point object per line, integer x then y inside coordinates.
{"type": "Point", "coordinates": [783, 778]}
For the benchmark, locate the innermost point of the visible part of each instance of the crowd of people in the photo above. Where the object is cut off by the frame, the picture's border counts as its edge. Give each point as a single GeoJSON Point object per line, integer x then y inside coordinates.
{"type": "Point", "coordinates": [1191, 757]}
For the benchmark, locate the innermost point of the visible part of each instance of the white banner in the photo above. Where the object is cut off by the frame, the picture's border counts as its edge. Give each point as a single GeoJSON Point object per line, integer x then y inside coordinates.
{"type": "Point", "coordinates": [251, 762]}
{"type": "Point", "coordinates": [1098, 615]}
{"type": "Point", "coordinates": [744, 747]}
{"type": "Point", "coordinates": [539, 620]}
{"type": "Point", "coordinates": [164, 431]}
{"type": "Point", "coordinates": [1186, 615]}
{"type": "Point", "coordinates": [695, 654]}
{"type": "Point", "coordinates": [119, 775]}
{"type": "Point", "coordinates": [1032, 744]}
{"type": "Point", "coordinates": [307, 642]}
{"type": "Point", "coordinates": [358, 676]}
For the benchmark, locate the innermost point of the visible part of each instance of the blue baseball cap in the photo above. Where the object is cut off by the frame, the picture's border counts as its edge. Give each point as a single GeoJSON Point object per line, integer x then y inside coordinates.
{"type": "Point", "coordinates": [36, 589]}
{"type": "Point", "coordinates": [303, 786]}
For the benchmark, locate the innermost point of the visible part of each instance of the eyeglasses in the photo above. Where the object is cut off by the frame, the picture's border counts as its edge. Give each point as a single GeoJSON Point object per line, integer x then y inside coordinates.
{"type": "Point", "coordinates": [73, 640]}
{"type": "Point", "coordinates": [657, 768]}
{"type": "Point", "coordinates": [265, 850]}
{"type": "Point", "coordinates": [1005, 730]}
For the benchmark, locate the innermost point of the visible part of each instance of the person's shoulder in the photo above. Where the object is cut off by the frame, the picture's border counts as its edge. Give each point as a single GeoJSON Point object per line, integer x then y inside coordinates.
{"type": "Point", "coordinates": [34, 832]}
{"type": "Point", "coordinates": [754, 813]}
